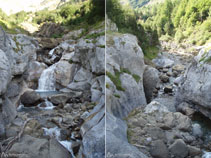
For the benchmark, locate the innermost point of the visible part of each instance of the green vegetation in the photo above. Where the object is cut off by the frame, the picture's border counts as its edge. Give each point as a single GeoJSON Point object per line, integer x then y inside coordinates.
{"type": "Point", "coordinates": [73, 14]}
{"type": "Point", "coordinates": [116, 80]}
{"type": "Point", "coordinates": [126, 20]}
{"type": "Point", "coordinates": [94, 35]}
{"type": "Point", "coordinates": [186, 21]}
{"type": "Point", "coordinates": [117, 95]}
{"type": "Point", "coordinates": [136, 77]}
{"type": "Point", "coordinates": [11, 23]}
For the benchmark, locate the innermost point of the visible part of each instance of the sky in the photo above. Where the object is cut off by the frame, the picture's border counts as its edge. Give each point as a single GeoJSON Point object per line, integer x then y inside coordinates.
{"type": "Point", "coordinates": [14, 6]}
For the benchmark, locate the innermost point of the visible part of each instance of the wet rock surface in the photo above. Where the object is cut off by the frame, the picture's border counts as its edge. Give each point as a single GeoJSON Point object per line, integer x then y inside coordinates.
{"type": "Point", "coordinates": [40, 112]}
{"type": "Point", "coordinates": [158, 130]}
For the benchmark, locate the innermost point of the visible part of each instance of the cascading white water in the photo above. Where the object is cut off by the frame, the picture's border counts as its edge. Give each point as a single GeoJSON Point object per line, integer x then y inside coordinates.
{"type": "Point", "coordinates": [47, 79]}
{"type": "Point", "coordinates": [206, 155]}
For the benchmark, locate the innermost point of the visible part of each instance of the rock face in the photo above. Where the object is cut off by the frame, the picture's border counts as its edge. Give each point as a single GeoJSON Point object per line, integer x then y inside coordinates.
{"type": "Point", "coordinates": [196, 86]}
{"type": "Point", "coordinates": [164, 134]}
{"type": "Point", "coordinates": [151, 78]}
{"type": "Point", "coordinates": [125, 91]}
{"type": "Point", "coordinates": [5, 72]}
{"type": "Point", "coordinates": [34, 147]}
{"type": "Point", "coordinates": [30, 98]}
{"type": "Point", "coordinates": [16, 52]}
{"type": "Point", "coordinates": [116, 140]}
{"type": "Point", "coordinates": [93, 132]}
{"type": "Point", "coordinates": [124, 80]}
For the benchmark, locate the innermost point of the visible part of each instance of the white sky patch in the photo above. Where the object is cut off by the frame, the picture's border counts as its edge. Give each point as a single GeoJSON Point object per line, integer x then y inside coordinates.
{"type": "Point", "coordinates": [14, 6]}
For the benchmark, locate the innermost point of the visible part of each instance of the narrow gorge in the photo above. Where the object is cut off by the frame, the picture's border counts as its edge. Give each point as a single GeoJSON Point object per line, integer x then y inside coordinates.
{"type": "Point", "coordinates": [52, 95]}
{"type": "Point", "coordinates": [156, 108]}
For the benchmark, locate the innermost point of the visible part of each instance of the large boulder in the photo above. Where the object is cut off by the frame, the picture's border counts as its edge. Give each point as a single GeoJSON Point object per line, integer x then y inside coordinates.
{"type": "Point", "coordinates": [124, 80]}
{"type": "Point", "coordinates": [30, 98]}
{"type": "Point", "coordinates": [195, 87]}
{"type": "Point", "coordinates": [21, 51]}
{"type": "Point", "coordinates": [150, 80]}
{"type": "Point", "coordinates": [93, 132]}
{"type": "Point", "coordinates": [63, 73]}
{"type": "Point", "coordinates": [117, 145]}
{"type": "Point", "coordinates": [42, 148]}
{"type": "Point", "coordinates": [5, 72]}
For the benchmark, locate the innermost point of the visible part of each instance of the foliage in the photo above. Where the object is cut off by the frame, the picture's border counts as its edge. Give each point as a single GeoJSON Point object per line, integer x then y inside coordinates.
{"type": "Point", "coordinates": [116, 80]}
{"type": "Point", "coordinates": [184, 20]}
{"type": "Point", "coordinates": [73, 13]}
{"type": "Point", "coordinates": [126, 21]}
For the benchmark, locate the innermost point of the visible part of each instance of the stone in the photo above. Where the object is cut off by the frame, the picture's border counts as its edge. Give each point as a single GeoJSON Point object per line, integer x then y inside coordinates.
{"type": "Point", "coordinates": [159, 149]}
{"type": "Point", "coordinates": [179, 149]}
{"type": "Point", "coordinates": [63, 73]}
{"type": "Point", "coordinates": [194, 151]}
{"type": "Point", "coordinates": [163, 62]}
{"type": "Point", "coordinates": [197, 131]}
{"type": "Point", "coordinates": [32, 147]}
{"type": "Point", "coordinates": [59, 99]}
{"type": "Point", "coordinates": [164, 78]}
{"type": "Point", "coordinates": [30, 98]}
{"type": "Point", "coordinates": [56, 150]}
{"type": "Point", "coordinates": [179, 68]}
{"type": "Point", "coordinates": [116, 140]}
{"type": "Point", "coordinates": [34, 71]}
{"type": "Point", "coordinates": [110, 26]}
{"type": "Point", "coordinates": [9, 111]}
{"type": "Point", "coordinates": [150, 80]}
{"type": "Point", "coordinates": [13, 89]}
{"type": "Point", "coordinates": [196, 86]}
{"type": "Point", "coordinates": [155, 107]}
{"type": "Point", "coordinates": [168, 89]}
{"type": "Point", "coordinates": [5, 72]}
{"type": "Point", "coordinates": [93, 133]}
{"type": "Point", "coordinates": [178, 121]}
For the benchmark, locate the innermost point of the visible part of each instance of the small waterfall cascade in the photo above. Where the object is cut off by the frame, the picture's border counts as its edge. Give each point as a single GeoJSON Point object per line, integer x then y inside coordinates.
{"type": "Point", "coordinates": [206, 155]}
{"type": "Point", "coordinates": [47, 79]}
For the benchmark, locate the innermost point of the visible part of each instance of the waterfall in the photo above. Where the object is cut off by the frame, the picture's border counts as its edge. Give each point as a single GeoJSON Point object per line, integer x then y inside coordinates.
{"type": "Point", "coordinates": [206, 155]}
{"type": "Point", "coordinates": [47, 79]}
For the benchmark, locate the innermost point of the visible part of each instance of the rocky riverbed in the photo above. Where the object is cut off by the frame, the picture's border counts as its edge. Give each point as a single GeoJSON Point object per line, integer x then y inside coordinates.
{"type": "Point", "coordinates": [155, 110]}
{"type": "Point", "coordinates": [167, 127]}
{"type": "Point", "coordinates": [52, 95]}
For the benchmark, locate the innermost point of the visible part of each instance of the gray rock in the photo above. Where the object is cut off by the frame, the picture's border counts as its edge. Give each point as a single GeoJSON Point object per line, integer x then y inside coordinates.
{"type": "Point", "coordinates": [197, 131]}
{"type": "Point", "coordinates": [32, 147]}
{"type": "Point", "coordinates": [9, 111]}
{"type": "Point", "coordinates": [194, 151]}
{"type": "Point", "coordinates": [63, 73]}
{"type": "Point", "coordinates": [164, 78]}
{"type": "Point", "coordinates": [163, 62]}
{"type": "Point", "coordinates": [179, 68]}
{"type": "Point", "coordinates": [155, 107]}
{"type": "Point", "coordinates": [196, 85]}
{"type": "Point", "coordinates": [178, 121]}
{"type": "Point", "coordinates": [120, 50]}
{"type": "Point", "coordinates": [150, 80]}
{"type": "Point", "coordinates": [59, 98]}
{"type": "Point", "coordinates": [179, 149]}
{"type": "Point", "coordinates": [56, 150]}
{"type": "Point", "coordinates": [5, 72]}
{"type": "Point", "coordinates": [93, 133]}
{"type": "Point", "coordinates": [168, 89]}
{"type": "Point", "coordinates": [13, 90]}
{"type": "Point", "coordinates": [110, 26]}
{"type": "Point", "coordinates": [42, 148]}
{"type": "Point", "coordinates": [34, 71]}
{"type": "Point", "coordinates": [117, 145]}
{"type": "Point", "coordinates": [159, 149]}
{"type": "Point", "coordinates": [30, 98]}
